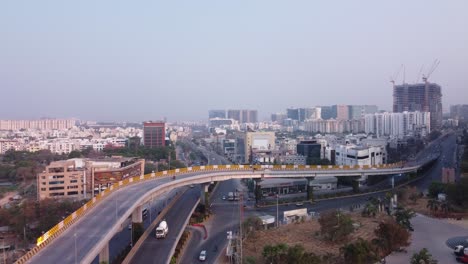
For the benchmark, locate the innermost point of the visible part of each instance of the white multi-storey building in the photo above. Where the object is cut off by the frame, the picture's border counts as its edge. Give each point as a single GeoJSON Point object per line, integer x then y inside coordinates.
{"type": "Point", "coordinates": [397, 124]}
{"type": "Point", "coordinates": [359, 155]}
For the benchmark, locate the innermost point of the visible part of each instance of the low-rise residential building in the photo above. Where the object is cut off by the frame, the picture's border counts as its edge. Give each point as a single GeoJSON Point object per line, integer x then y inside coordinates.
{"type": "Point", "coordinates": [62, 179]}
{"type": "Point", "coordinates": [81, 178]}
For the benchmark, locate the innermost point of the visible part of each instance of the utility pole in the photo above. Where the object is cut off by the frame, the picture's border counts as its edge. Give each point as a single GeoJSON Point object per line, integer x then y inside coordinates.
{"type": "Point", "coordinates": [277, 210]}
{"type": "Point", "coordinates": [240, 223]}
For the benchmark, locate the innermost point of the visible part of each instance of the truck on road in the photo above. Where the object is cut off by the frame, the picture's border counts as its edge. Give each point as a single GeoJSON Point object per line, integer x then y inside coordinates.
{"type": "Point", "coordinates": [162, 229]}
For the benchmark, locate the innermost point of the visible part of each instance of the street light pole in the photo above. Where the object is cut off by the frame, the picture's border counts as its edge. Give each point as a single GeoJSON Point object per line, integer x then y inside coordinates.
{"type": "Point", "coordinates": [277, 210]}
{"type": "Point", "coordinates": [76, 257]}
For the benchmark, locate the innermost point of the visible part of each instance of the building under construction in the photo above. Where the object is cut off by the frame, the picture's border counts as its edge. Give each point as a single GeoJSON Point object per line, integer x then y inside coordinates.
{"type": "Point", "coordinates": [423, 97]}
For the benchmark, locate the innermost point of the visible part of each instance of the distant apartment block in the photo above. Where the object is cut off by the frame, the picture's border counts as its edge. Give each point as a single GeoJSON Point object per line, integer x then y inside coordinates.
{"type": "Point", "coordinates": [154, 134]}
{"type": "Point", "coordinates": [303, 114]}
{"type": "Point", "coordinates": [278, 118]}
{"type": "Point", "coordinates": [81, 178]}
{"type": "Point", "coordinates": [422, 97]}
{"type": "Point", "coordinates": [216, 114]}
{"type": "Point", "coordinates": [459, 112]}
{"type": "Point", "coordinates": [358, 111]}
{"type": "Point", "coordinates": [341, 112]}
{"type": "Point", "coordinates": [398, 125]}
{"type": "Point", "coordinates": [6, 144]}
{"type": "Point", "coordinates": [327, 112]}
{"type": "Point", "coordinates": [331, 126]}
{"type": "Point", "coordinates": [44, 124]}
{"type": "Point", "coordinates": [243, 116]}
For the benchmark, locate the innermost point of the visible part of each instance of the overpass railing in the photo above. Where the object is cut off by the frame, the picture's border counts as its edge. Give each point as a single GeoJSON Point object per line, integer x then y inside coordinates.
{"type": "Point", "coordinates": [59, 228]}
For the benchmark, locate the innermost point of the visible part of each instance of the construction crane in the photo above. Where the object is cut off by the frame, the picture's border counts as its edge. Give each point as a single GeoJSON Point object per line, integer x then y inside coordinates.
{"type": "Point", "coordinates": [419, 74]}
{"type": "Point", "coordinates": [395, 76]}
{"type": "Point", "coordinates": [431, 70]}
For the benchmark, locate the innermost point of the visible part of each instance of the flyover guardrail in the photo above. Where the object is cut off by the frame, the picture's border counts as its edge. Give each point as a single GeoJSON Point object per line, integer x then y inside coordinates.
{"type": "Point", "coordinates": [59, 228]}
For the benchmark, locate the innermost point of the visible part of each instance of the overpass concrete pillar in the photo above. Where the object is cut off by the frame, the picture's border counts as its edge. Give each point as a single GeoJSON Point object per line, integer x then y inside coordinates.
{"type": "Point", "coordinates": [104, 254]}
{"type": "Point", "coordinates": [137, 215]}
{"type": "Point", "coordinates": [310, 189]}
{"type": "Point", "coordinates": [204, 195]}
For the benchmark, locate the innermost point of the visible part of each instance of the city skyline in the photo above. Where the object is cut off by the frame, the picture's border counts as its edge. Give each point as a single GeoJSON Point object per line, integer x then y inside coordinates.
{"type": "Point", "coordinates": [156, 60]}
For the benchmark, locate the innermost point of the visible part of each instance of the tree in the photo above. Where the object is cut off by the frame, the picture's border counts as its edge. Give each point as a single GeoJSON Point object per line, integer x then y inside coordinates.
{"type": "Point", "coordinates": [391, 236]}
{"type": "Point", "coordinates": [423, 257]}
{"type": "Point", "coordinates": [335, 225]}
{"type": "Point", "coordinates": [370, 210]}
{"type": "Point", "coordinates": [269, 253]}
{"type": "Point", "coordinates": [433, 205]}
{"type": "Point", "coordinates": [403, 217]}
{"type": "Point", "coordinates": [74, 154]}
{"type": "Point", "coordinates": [414, 197]}
{"type": "Point", "coordinates": [457, 194]}
{"type": "Point", "coordinates": [359, 252]}
{"type": "Point", "coordinates": [435, 188]}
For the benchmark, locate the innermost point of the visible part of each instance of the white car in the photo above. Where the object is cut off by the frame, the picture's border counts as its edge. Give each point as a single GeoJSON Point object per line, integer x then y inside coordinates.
{"type": "Point", "coordinates": [202, 256]}
{"type": "Point", "coordinates": [224, 197]}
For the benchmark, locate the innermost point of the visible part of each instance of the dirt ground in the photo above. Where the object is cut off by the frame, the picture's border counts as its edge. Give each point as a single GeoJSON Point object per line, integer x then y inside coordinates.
{"type": "Point", "coordinates": [305, 234]}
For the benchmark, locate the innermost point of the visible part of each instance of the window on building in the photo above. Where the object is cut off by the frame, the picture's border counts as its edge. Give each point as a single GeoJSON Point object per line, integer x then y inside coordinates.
{"type": "Point", "coordinates": [55, 188]}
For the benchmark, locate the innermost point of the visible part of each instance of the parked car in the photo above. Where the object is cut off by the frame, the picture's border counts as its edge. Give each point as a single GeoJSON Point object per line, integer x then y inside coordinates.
{"type": "Point", "coordinates": [202, 256]}
{"type": "Point", "coordinates": [299, 204]}
{"type": "Point", "coordinates": [224, 197]}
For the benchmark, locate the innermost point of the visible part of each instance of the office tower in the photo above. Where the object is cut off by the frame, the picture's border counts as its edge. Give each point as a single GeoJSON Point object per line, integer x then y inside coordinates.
{"type": "Point", "coordinates": [327, 112]}
{"type": "Point", "coordinates": [422, 97]}
{"type": "Point", "coordinates": [459, 112]}
{"type": "Point", "coordinates": [154, 134]}
{"type": "Point", "coordinates": [217, 114]}
{"type": "Point", "coordinates": [309, 149]}
{"type": "Point", "coordinates": [292, 113]}
{"type": "Point", "coordinates": [340, 112]}
{"type": "Point", "coordinates": [358, 111]}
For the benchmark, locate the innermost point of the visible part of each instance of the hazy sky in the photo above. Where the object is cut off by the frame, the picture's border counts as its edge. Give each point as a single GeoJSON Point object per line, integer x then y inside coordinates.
{"type": "Point", "coordinates": [139, 60]}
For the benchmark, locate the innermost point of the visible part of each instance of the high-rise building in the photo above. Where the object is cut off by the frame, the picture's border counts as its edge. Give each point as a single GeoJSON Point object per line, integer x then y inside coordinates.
{"type": "Point", "coordinates": [327, 112]}
{"type": "Point", "coordinates": [422, 97]}
{"type": "Point", "coordinates": [234, 114]}
{"type": "Point", "coordinates": [278, 117]}
{"type": "Point", "coordinates": [243, 116]}
{"type": "Point", "coordinates": [358, 111]}
{"type": "Point", "coordinates": [340, 112]}
{"type": "Point", "coordinates": [398, 124]}
{"type": "Point", "coordinates": [303, 114]}
{"type": "Point", "coordinates": [154, 134]}
{"type": "Point", "coordinates": [217, 114]}
{"type": "Point", "coordinates": [37, 124]}
{"type": "Point", "coordinates": [459, 112]}
{"type": "Point", "coordinates": [292, 113]}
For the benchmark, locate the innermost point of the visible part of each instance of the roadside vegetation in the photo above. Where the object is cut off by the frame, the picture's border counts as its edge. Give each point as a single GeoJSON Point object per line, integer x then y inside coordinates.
{"type": "Point", "coordinates": [335, 237]}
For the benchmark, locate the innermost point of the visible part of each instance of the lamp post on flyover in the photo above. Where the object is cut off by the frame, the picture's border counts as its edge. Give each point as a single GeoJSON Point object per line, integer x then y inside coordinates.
{"type": "Point", "coordinates": [277, 210]}
{"type": "Point", "coordinates": [76, 257]}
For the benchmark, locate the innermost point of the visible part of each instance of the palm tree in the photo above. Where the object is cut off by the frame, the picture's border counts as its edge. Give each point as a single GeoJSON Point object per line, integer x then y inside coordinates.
{"type": "Point", "coordinates": [423, 257]}
{"type": "Point", "coordinates": [403, 217]}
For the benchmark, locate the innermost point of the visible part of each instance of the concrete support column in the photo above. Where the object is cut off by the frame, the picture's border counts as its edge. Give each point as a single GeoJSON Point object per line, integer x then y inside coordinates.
{"type": "Point", "coordinates": [204, 196]}
{"type": "Point", "coordinates": [310, 189]}
{"type": "Point", "coordinates": [104, 254]}
{"type": "Point", "coordinates": [137, 215]}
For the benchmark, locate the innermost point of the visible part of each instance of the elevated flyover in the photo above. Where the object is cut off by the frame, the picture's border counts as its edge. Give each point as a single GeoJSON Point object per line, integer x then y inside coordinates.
{"type": "Point", "coordinates": [84, 234]}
